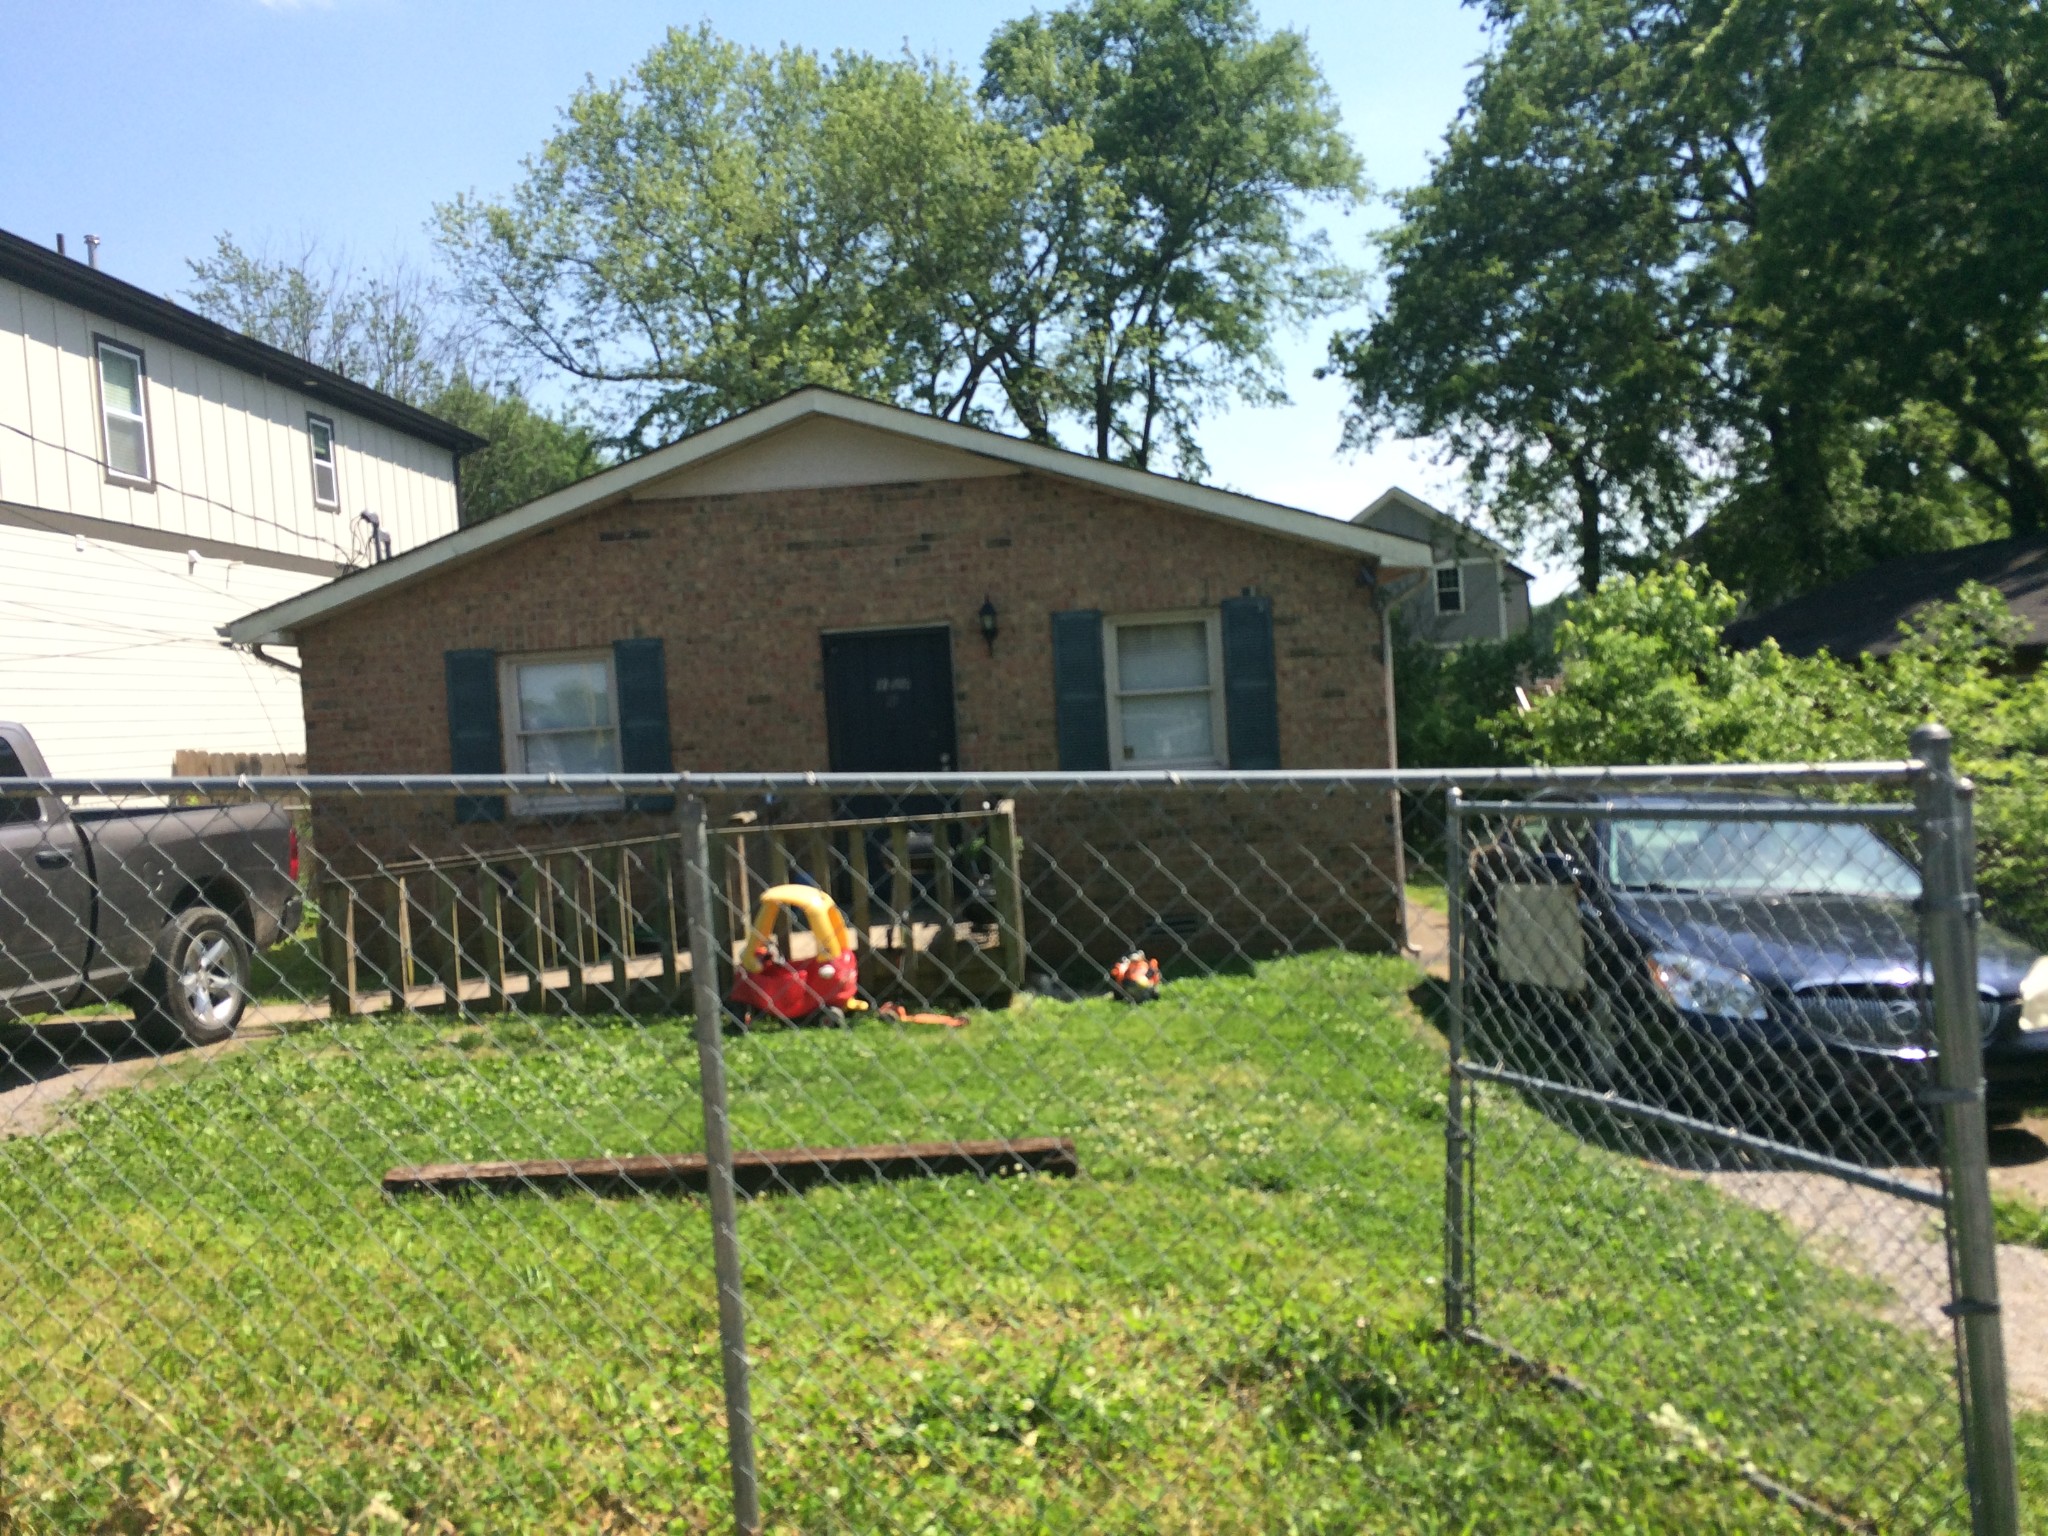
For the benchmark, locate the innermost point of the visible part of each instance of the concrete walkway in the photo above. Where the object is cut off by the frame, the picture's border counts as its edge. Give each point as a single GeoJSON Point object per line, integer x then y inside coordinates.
{"type": "Point", "coordinates": [69, 1059]}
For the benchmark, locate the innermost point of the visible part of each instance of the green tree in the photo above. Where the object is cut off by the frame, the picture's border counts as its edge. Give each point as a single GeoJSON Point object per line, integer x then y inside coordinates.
{"type": "Point", "coordinates": [1106, 233]}
{"type": "Point", "coordinates": [1530, 324]}
{"type": "Point", "coordinates": [527, 454]}
{"type": "Point", "coordinates": [378, 328]}
{"type": "Point", "coordinates": [725, 225]}
{"type": "Point", "coordinates": [1783, 264]}
{"type": "Point", "coordinates": [391, 331]}
{"type": "Point", "coordinates": [1183, 252]}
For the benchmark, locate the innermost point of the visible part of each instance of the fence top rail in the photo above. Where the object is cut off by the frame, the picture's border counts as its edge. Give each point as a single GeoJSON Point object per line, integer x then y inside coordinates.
{"type": "Point", "coordinates": [1725, 810]}
{"type": "Point", "coordinates": [1881, 770]}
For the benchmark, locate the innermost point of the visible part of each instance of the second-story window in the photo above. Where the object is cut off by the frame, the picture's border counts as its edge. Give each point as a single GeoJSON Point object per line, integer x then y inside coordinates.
{"type": "Point", "coordinates": [326, 478]}
{"type": "Point", "coordinates": [124, 413]}
{"type": "Point", "coordinates": [1450, 589]}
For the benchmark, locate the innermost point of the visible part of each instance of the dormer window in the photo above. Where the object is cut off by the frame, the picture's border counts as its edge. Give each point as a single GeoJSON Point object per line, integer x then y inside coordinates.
{"type": "Point", "coordinates": [326, 477]}
{"type": "Point", "coordinates": [124, 414]}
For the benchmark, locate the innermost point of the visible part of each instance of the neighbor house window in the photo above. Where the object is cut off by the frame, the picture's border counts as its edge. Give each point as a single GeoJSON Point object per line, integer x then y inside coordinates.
{"type": "Point", "coordinates": [1450, 589]}
{"type": "Point", "coordinates": [1165, 691]}
{"type": "Point", "coordinates": [124, 413]}
{"type": "Point", "coordinates": [561, 716]}
{"type": "Point", "coordinates": [326, 481]}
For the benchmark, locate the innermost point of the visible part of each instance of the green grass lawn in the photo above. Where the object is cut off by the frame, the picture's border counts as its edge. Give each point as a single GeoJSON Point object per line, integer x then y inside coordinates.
{"type": "Point", "coordinates": [2020, 1221]}
{"type": "Point", "coordinates": [214, 1321]}
{"type": "Point", "coordinates": [1426, 890]}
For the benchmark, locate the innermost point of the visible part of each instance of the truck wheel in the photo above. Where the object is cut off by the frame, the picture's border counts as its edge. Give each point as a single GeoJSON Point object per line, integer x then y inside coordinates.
{"type": "Point", "coordinates": [199, 984]}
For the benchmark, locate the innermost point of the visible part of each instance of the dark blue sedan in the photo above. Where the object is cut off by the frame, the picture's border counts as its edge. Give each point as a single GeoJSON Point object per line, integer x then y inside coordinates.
{"type": "Point", "coordinates": [1746, 969]}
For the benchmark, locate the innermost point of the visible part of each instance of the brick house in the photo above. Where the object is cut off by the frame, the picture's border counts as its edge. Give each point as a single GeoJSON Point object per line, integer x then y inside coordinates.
{"type": "Point", "coordinates": [808, 586]}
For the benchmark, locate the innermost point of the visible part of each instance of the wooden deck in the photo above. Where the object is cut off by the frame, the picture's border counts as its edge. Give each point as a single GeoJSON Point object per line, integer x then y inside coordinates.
{"type": "Point", "coordinates": [599, 927]}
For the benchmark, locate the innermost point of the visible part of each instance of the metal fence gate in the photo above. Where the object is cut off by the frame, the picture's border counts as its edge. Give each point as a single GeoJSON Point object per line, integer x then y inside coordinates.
{"type": "Point", "coordinates": [1772, 994]}
{"type": "Point", "coordinates": [490, 1154]}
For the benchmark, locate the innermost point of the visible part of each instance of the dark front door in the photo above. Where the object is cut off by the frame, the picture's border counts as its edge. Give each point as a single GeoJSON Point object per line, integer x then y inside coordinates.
{"type": "Point", "coordinates": [889, 701]}
{"type": "Point", "coordinates": [889, 709]}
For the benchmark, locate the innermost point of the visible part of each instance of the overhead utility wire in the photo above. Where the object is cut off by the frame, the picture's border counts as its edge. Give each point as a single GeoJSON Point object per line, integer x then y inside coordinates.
{"type": "Point", "coordinates": [346, 555]}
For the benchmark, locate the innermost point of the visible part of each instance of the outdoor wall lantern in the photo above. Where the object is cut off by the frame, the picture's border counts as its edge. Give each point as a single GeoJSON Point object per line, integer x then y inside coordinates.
{"type": "Point", "coordinates": [988, 623]}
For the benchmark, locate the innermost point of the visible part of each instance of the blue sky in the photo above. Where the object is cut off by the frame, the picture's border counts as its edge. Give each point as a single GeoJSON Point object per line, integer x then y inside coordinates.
{"type": "Point", "coordinates": [159, 125]}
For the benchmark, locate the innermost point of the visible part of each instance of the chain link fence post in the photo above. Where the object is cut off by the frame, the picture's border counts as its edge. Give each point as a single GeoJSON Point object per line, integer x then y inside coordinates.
{"type": "Point", "coordinates": [1457, 1134]}
{"type": "Point", "coordinates": [701, 895]}
{"type": "Point", "coordinates": [1949, 916]}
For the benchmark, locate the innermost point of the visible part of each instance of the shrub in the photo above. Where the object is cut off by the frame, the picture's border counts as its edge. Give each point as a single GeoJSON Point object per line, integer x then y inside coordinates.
{"type": "Point", "coordinates": [1647, 679]}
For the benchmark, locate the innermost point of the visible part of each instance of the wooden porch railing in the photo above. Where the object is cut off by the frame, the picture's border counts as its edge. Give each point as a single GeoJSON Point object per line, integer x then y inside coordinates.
{"type": "Point", "coordinates": [935, 902]}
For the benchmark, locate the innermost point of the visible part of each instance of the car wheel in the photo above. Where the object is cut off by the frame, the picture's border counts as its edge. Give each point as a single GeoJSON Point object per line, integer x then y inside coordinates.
{"type": "Point", "coordinates": [199, 984]}
{"type": "Point", "coordinates": [1603, 1049]}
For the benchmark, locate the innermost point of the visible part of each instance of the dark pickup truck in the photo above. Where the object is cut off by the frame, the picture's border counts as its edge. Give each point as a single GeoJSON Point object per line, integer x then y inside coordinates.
{"type": "Point", "coordinates": [162, 907]}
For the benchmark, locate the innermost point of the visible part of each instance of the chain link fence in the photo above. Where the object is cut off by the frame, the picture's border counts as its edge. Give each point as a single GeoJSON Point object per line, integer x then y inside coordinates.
{"type": "Point", "coordinates": [1211, 1152]}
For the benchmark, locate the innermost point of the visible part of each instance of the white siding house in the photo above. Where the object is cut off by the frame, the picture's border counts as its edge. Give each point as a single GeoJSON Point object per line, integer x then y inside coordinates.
{"type": "Point", "coordinates": [159, 476]}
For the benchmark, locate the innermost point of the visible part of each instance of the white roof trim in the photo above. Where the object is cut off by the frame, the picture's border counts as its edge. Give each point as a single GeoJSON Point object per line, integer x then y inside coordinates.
{"type": "Point", "coordinates": [275, 625]}
{"type": "Point", "coordinates": [1396, 496]}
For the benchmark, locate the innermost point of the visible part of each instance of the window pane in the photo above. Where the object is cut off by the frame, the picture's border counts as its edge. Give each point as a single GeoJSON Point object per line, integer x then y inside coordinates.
{"type": "Point", "coordinates": [323, 439]}
{"type": "Point", "coordinates": [323, 484]}
{"type": "Point", "coordinates": [1450, 590]}
{"type": "Point", "coordinates": [15, 808]}
{"type": "Point", "coordinates": [572, 752]}
{"type": "Point", "coordinates": [1167, 729]}
{"type": "Point", "coordinates": [1162, 656]}
{"type": "Point", "coordinates": [120, 382]}
{"type": "Point", "coordinates": [564, 695]}
{"type": "Point", "coordinates": [127, 450]}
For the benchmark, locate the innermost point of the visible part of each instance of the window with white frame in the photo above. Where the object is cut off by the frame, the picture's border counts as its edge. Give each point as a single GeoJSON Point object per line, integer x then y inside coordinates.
{"type": "Point", "coordinates": [560, 715]}
{"type": "Point", "coordinates": [326, 477]}
{"type": "Point", "coordinates": [1450, 589]}
{"type": "Point", "coordinates": [1165, 675]}
{"type": "Point", "coordinates": [124, 412]}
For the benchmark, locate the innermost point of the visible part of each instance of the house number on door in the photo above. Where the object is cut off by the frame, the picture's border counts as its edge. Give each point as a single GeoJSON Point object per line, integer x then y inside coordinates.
{"type": "Point", "coordinates": [892, 685]}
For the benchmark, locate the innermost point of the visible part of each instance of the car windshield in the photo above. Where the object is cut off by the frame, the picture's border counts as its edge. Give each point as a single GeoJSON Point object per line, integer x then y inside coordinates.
{"type": "Point", "coordinates": [1757, 858]}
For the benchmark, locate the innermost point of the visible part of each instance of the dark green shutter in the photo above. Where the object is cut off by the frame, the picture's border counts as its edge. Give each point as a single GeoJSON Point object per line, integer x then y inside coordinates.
{"type": "Point", "coordinates": [1080, 695]}
{"type": "Point", "coordinates": [642, 674]}
{"type": "Point", "coordinates": [1251, 698]}
{"type": "Point", "coordinates": [475, 743]}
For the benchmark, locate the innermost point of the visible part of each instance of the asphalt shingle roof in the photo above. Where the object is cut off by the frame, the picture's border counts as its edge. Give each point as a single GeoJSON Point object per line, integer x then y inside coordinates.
{"type": "Point", "coordinates": [1863, 613]}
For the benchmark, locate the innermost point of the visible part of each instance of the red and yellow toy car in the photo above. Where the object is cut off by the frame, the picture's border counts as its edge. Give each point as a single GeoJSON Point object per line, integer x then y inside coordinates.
{"type": "Point", "coordinates": [820, 988]}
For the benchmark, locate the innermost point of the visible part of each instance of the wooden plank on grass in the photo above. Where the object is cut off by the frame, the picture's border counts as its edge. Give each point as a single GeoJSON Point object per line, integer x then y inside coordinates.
{"type": "Point", "coordinates": [769, 1171]}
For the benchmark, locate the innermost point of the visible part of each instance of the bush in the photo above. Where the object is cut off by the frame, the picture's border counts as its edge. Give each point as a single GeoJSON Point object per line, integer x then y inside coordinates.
{"type": "Point", "coordinates": [1647, 679]}
{"type": "Point", "coordinates": [1447, 698]}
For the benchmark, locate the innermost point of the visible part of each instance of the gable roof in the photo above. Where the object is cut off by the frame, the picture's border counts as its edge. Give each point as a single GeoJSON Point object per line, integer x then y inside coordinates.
{"type": "Point", "coordinates": [25, 262]}
{"type": "Point", "coordinates": [1395, 496]}
{"type": "Point", "coordinates": [276, 624]}
{"type": "Point", "coordinates": [1863, 613]}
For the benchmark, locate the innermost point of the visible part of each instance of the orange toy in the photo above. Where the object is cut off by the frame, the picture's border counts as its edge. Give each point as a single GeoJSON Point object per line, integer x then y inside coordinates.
{"type": "Point", "coordinates": [895, 1014]}
{"type": "Point", "coordinates": [1135, 978]}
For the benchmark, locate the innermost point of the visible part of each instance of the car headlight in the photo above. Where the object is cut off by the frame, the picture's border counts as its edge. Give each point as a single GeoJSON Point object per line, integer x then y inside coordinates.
{"type": "Point", "coordinates": [1700, 986]}
{"type": "Point", "coordinates": [2034, 996]}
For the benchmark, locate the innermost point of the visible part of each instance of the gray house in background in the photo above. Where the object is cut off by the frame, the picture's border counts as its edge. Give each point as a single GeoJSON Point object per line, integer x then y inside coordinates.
{"type": "Point", "coordinates": [1475, 592]}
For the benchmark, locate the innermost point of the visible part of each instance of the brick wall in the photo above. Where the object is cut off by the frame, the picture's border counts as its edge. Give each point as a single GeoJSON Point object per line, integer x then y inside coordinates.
{"type": "Point", "coordinates": [738, 588]}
